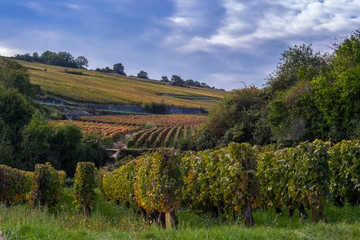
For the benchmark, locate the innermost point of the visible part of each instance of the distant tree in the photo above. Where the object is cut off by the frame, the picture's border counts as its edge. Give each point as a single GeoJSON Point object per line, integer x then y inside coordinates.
{"type": "Point", "coordinates": [35, 57]}
{"type": "Point", "coordinates": [177, 81]}
{"type": "Point", "coordinates": [82, 62]}
{"type": "Point", "coordinates": [14, 75]}
{"type": "Point", "coordinates": [143, 74]}
{"type": "Point", "coordinates": [164, 79]}
{"type": "Point", "coordinates": [119, 68]}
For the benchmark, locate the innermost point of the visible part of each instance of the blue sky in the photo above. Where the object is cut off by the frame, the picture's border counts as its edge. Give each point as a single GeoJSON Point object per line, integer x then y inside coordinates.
{"type": "Point", "coordinates": [220, 42]}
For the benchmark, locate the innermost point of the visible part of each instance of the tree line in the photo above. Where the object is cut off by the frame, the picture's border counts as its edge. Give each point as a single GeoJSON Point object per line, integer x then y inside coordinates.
{"type": "Point", "coordinates": [310, 95]}
{"type": "Point", "coordinates": [63, 59]}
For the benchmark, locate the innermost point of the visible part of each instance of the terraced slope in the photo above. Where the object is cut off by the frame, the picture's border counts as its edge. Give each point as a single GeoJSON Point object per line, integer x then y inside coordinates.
{"type": "Point", "coordinates": [113, 89]}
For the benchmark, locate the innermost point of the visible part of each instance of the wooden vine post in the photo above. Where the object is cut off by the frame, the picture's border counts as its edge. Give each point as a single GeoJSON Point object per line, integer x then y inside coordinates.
{"type": "Point", "coordinates": [168, 220]}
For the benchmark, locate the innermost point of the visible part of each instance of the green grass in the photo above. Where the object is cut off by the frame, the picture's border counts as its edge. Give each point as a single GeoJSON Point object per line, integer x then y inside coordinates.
{"type": "Point", "coordinates": [109, 221]}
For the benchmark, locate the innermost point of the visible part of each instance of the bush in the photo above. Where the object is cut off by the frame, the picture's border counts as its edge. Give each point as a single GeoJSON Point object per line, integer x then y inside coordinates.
{"type": "Point", "coordinates": [159, 181]}
{"type": "Point", "coordinates": [47, 187]}
{"type": "Point", "coordinates": [345, 167]}
{"type": "Point", "coordinates": [84, 186]}
{"type": "Point", "coordinates": [15, 185]}
{"type": "Point", "coordinates": [118, 185]}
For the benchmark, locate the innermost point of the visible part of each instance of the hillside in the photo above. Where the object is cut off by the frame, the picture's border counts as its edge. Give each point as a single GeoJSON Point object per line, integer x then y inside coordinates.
{"type": "Point", "coordinates": [113, 89]}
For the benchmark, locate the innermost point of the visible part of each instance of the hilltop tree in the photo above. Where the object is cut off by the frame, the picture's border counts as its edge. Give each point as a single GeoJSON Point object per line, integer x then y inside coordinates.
{"type": "Point", "coordinates": [119, 68]}
{"type": "Point", "coordinates": [82, 62]}
{"type": "Point", "coordinates": [164, 79]}
{"type": "Point", "coordinates": [143, 74]}
{"type": "Point", "coordinates": [177, 81]}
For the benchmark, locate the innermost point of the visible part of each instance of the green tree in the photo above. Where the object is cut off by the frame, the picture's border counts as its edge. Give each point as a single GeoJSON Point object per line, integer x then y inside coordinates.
{"type": "Point", "coordinates": [177, 81]}
{"type": "Point", "coordinates": [234, 118]}
{"type": "Point", "coordinates": [164, 79]}
{"type": "Point", "coordinates": [143, 74]}
{"type": "Point", "coordinates": [35, 141]}
{"type": "Point", "coordinates": [337, 90]}
{"type": "Point", "coordinates": [13, 75]}
{"type": "Point", "coordinates": [119, 68]}
{"type": "Point", "coordinates": [292, 60]}
{"type": "Point", "coordinates": [66, 148]}
{"type": "Point", "coordinates": [82, 62]}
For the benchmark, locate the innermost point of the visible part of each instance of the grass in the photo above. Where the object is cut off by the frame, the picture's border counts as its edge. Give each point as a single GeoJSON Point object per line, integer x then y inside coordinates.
{"type": "Point", "coordinates": [113, 89]}
{"type": "Point", "coordinates": [109, 221]}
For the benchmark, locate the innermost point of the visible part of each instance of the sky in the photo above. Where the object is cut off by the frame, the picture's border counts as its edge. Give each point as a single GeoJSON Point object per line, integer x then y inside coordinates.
{"type": "Point", "coordinates": [227, 44]}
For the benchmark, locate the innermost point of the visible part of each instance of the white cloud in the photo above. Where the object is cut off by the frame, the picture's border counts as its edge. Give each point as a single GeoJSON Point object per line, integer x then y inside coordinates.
{"type": "Point", "coordinates": [247, 25]}
{"type": "Point", "coordinates": [7, 52]}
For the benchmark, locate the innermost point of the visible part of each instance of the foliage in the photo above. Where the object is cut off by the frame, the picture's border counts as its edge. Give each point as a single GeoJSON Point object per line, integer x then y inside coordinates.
{"type": "Point", "coordinates": [156, 108]}
{"type": "Point", "coordinates": [119, 68]}
{"type": "Point", "coordinates": [66, 148]}
{"type": "Point", "coordinates": [345, 168]}
{"type": "Point", "coordinates": [47, 186]}
{"type": "Point", "coordinates": [143, 74]}
{"type": "Point", "coordinates": [158, 181]}
{"type": "Point", "coordinates": [15, 185]}
{"type": "Point", "coordinates": [84, 186]}
{"type": "Point", "coordinates": [35, 143]}
{"type": "Point", "coordinates": [224, 179]}
{"type": "Point", "coordinates": [237, 113]}
{"type": "Point", "coordinates": [294, 176]}
{"type": "Point", "coordinates": [295, 59]}
{"type": "Point", "coordinates": [14, 76]}
{"type": "Point", "coordinates": [118, 185]}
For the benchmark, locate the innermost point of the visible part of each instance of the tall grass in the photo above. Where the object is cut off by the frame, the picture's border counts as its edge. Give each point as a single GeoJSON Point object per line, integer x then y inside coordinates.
{"type": "Point", "coordinates": [109, 221]}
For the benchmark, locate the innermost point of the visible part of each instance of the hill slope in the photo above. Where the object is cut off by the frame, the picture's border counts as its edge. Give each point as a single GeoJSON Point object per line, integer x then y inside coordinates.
{"type": "Point", "coordinates": [113, 89]}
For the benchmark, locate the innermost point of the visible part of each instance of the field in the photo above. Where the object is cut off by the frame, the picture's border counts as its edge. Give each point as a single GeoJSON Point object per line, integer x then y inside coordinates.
{"type": "Point", "coordinates": [107, 131]}
{"type": "Point", "coordinates": [158, 120]}
{"type": "Point", "coordinates": [110, 221]}
{"type": "Point", "coordinates": [113, 89]}
{"type": "Point", "coordinates": [160, 130]}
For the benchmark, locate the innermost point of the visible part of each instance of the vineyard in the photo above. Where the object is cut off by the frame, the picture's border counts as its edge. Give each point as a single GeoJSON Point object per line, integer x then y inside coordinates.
{"type": "Point", "coordinates": [113, 89]}
{"type": "Point", "coordinates": [241, 178]}
{"type": "Point", "coordinates": [164, 131]}
{"type": "Point", "coordinates": [162, 137]}
{"type": "Point", "coordinates": [106, 131]}
{"type": "Point", "coordinates": [158, 120]}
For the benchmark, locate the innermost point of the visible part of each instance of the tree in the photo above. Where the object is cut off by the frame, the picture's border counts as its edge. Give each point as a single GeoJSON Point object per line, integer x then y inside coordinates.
{"type": "Point", "coordinates": [35, 141]}
{"type": "Point", "coordinates": [286, 74]}
{"type": "Point", "coordinates": [143, 74]}
{"type": "Point", "coordinates": [14, 76]}
{"type": "Point", "coordinates": [164, 79]}
{"type": "Point", "coordinates": [177, 81]}
{"type": "Point", "coordinates": [82, 62]}
{"type": "Point", "coordinates": [234, 118]}
{"type": "Point", "coordinates": [66, 148]}
{"type": "Point", "coordinates": [119, 68]}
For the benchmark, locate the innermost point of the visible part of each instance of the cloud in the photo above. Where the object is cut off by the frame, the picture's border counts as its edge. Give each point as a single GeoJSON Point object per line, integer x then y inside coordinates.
{"type": "Point", "coordinates": [7, 52]}
{"type": "Point", "coordinates": [248, 25]}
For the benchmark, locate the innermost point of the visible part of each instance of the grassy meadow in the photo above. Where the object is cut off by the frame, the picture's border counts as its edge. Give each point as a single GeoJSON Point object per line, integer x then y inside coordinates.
{"type": "Point", "coordinates": [109, 221]}
{"type": "Point", "coordinates": [113, 89]}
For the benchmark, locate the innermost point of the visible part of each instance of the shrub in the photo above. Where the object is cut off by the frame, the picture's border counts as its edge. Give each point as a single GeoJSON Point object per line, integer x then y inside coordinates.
{"type": "Point", "coordinates": [15, 185]}
{"type": "Point", "coordinates": [47, 187]}
{"type": "Point", "coordinates": [345, 167]}
{"type": "Point", "coordinates": [118, 185]}
{"type": "Point", "coordinates": [159, 181]}
{"type": "Point", "coordinates": [84, 186]}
